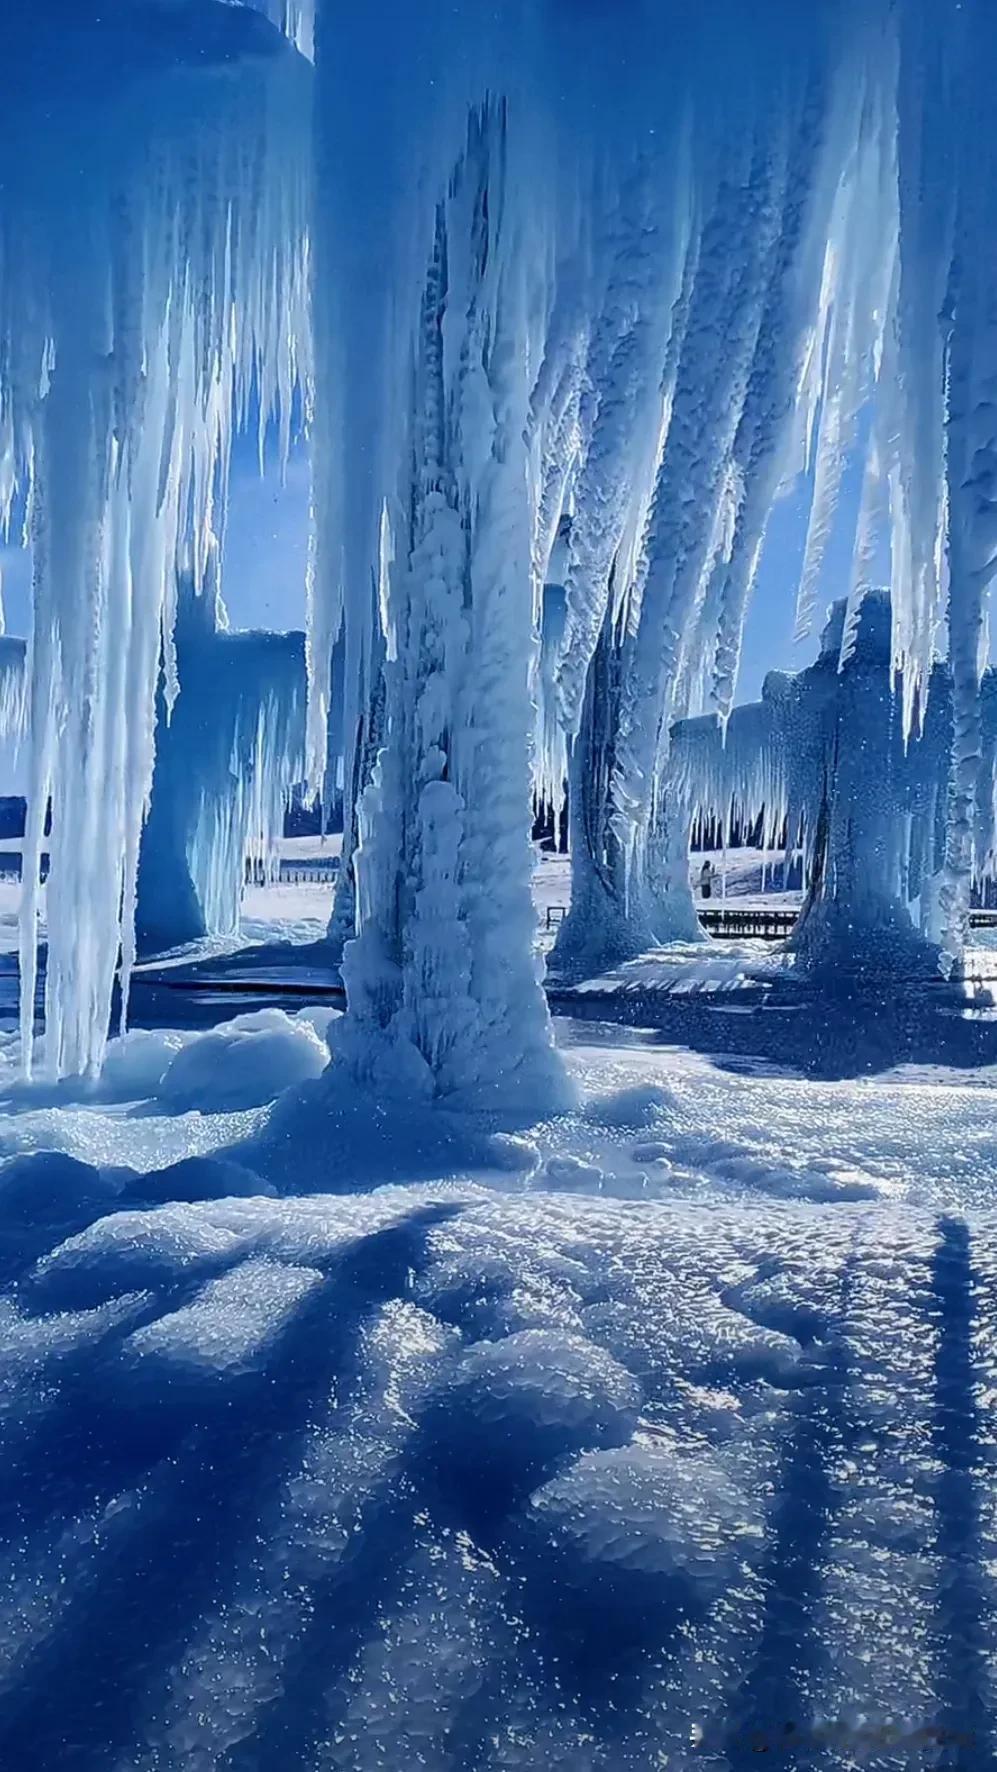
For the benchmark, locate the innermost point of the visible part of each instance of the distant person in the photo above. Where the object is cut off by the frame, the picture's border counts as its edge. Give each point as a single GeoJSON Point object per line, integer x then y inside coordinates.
{"type": "Point", "coordinates": [706, 879]}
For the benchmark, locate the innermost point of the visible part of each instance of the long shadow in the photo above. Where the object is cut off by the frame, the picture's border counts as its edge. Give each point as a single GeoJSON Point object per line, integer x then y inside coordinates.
{"type": "Point", "coordinates": [464, 1484]}
{"type": "Point", "coordinates": [342, 1609]}
{"type": "Point", "coordinates": [830, 1038]}
{"type": "Point", "coordinates": [97, 1435]}
{"type": "Point", "coordinates": [965, 1729]}
{"type": "Point", "coordinates": [770, 1718]}
{"type": "Point", "coordinates": [82, 1699]}
{"type": "Point", "coordinates": [344, 1605]}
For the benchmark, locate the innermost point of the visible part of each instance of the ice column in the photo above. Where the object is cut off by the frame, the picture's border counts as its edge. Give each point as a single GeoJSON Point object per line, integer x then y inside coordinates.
{"type": "Point", "coordinates": [444, 997]}
{"type": "Point", "coordinates": [226, 761]}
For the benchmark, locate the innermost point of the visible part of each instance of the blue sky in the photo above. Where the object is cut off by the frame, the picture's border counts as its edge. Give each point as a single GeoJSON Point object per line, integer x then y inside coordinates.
{"type": "Point", "coordinates": [266, 545]}
{"type": "Point", "coordinates": [266, 553]}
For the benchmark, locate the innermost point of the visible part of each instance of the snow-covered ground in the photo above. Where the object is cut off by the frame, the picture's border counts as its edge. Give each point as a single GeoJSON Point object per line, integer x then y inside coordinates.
{"type": "Point", "coordinates": [653, 1434]}
{"type": "Point", "coordinates": [744, 878]}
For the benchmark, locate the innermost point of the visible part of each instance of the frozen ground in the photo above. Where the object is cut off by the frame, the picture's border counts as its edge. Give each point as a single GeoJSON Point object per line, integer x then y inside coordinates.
{"type": "Point", "coordinates": [659, 1434]}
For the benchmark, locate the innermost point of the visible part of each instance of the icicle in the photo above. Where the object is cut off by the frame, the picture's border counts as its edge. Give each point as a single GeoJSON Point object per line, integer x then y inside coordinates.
{"type": "Point", "coordinates": [861, 258]}
{"type": "Point", "coordinates": [153, 269]}
{"type": "Point", "coordinates": [625, 371]}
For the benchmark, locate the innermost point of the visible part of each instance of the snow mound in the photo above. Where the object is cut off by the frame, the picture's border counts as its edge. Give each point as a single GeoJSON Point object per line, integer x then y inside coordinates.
{"type": "Point", "coordinates": [510, 1407]}
{"type": "Point", "coordinates": [136, 1251]}
{"type": "Point", "coordinates": [136, 1062]}
{"type": "Point", "coordinates": [53, 1190]}
{"type": "Point", "coordinates": [642, 1105]}
{"type": "Point", "coordinates": [245, 1064]}
{"type": "Point", "coordinates": [195, 1178]}
{"type": "Point", "coordinates": [45, 1197]}
{"type": "Point", "coordinates": [572, 1172]}
{"type": "Point", "coordinates": [182, 1243]}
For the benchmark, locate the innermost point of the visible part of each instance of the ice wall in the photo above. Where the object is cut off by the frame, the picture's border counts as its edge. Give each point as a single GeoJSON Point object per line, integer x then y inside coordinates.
{"type": "Point", "coordinates": [152, 276]}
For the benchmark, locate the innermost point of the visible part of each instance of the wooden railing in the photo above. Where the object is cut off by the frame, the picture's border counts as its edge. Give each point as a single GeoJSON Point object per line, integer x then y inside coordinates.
{"type": "Point", "coordinates": [759, 923]}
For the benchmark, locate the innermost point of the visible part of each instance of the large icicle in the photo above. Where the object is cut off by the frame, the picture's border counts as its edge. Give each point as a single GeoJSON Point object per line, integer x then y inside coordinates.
{"type": "Point", "coordinates": [152, 277]}
{"type": "Point", "coordinates": [626, 364]}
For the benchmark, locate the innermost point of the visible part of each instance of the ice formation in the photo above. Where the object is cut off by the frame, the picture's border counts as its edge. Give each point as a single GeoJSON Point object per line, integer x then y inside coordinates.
{"type": "Point", "coordinates": [152, 277]}
{"type": "Point", "coordinates": [802, 289]}
{"type": "Point", "coordinates": [13, 695]}
{"type": "Point", "coordinates": [707, 380]}
{"type": "Point", "coordinates": [821, 766]}
{"type": "Point", "coordinates": [584, 279]}
{"type": "Point", "coordinates": [565, 351]}
{"type": "Point", "coordinates": [227, 756]}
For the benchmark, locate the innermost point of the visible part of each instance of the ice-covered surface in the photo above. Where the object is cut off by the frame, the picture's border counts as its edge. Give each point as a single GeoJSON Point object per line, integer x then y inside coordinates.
{"type": "Point", "coordinates": [690, 967]}
{"type": "Point", "coordinates": [661, 1438]}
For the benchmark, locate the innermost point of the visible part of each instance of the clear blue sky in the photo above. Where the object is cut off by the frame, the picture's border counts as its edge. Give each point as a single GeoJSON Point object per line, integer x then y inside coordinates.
{"type": "Point", "coordinates": [266, 553]}
{"type": "Point", "coordinates": [266, 545]}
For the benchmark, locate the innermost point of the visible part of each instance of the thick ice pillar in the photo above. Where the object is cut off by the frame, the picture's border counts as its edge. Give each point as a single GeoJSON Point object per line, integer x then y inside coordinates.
{"type": "Point", "coordinates": [226, 761]}
{"type": "Point", "coordinates": [444, 998]}
{"type": "Point", "coordinates": [857, 923]}
{"type": "Point", "coordinates": [822, 756]}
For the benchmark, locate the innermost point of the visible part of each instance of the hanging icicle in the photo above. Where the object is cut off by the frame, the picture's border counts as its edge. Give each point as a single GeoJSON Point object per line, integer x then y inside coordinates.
{"type": "Point", "coordinates": [153, 279]}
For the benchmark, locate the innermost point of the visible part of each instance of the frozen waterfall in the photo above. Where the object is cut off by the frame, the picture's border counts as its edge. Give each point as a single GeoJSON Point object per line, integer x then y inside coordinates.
{"type": "Point", "coordinates": [598, 279]}
{"type": "Point", "coordinates": [152, 275]}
